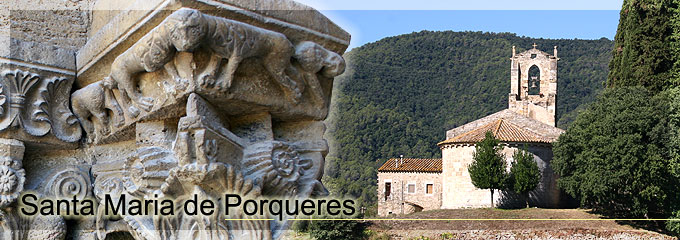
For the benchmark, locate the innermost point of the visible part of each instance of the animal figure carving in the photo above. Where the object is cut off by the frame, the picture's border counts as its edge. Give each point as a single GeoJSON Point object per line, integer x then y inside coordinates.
{"type": "Point", "coordinates": [312, 58]}
{"type": "Point", "coordinates": [94, 100]}
{"type": "Point", "coordinates": [185, 30]}
{"type": "Point", "coordinates": [236, 41]}
{"type": "Point", "coordinates": [181, 31]}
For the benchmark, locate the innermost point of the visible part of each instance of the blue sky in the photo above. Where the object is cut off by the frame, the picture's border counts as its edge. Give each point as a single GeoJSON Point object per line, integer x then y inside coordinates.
{"type": "Point", "coordinates": [372, 20]}
{"type": "Point", "coordinates": [464, 4]}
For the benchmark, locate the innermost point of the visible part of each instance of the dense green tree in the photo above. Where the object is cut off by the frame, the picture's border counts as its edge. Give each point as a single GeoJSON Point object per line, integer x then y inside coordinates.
{"type": "Point", "coordinates": [673, 226]}
{"type": "Point", "coordinates": [675, 42]}
{"type": "Point", "coordinates": [615, 156]}
{"type": "Point", "coordinates": [524, 173]}
{"type": "Point", "coordinates": [400, 94]}
{"type": "Point", "coordinates": [673, 97]}
{"type": "Point", "coordinates": [487, 170]}
{"type": "Point", "coordinates": [336, 230]}
{"type": "Point", "coordinates": [644, 53]}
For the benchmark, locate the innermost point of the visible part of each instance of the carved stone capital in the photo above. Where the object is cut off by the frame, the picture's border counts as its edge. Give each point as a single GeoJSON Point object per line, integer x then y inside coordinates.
{"type": "Point", "coordinates": [34, 102]}
{"type": "Point", "coordinates": [241, 67]}
{"type": "Point", "coordinates": [175, 99]}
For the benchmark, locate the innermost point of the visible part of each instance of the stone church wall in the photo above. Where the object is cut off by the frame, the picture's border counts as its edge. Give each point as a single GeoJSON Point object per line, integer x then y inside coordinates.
{"type": "Point", "coordinates": [63, 24]}
{"type": "Point", "coordinates": [459, 192]}
{"type": "Point", "coordinates": [402, 202]}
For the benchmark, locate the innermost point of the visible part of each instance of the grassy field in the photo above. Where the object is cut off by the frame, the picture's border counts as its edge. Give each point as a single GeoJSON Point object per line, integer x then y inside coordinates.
{"type": "Point", "coordinates": [536, 224]}
{"type": "Point", "coordinates": [550, 225]}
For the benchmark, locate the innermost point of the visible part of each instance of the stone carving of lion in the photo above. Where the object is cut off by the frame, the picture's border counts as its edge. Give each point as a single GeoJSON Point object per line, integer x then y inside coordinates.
{"type": "Point", "coordinates": [185, 30]}
{"type": "Point", "coordinates": [312, 58]}
{"type": "Point", "coordinates": [94, 100]}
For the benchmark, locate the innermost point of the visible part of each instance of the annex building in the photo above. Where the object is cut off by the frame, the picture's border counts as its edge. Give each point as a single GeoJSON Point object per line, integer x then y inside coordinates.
{"type": "Point", "coordinates": [407, 185]}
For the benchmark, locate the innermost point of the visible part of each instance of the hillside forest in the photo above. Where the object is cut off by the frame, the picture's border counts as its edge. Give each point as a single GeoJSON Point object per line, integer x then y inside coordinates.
{"type": "Point", "coordinates": [400, 94]}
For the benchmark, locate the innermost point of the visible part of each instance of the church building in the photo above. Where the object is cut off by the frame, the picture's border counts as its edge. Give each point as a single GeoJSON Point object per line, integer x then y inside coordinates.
{"type": "Point", "coordinates": [409, 185]}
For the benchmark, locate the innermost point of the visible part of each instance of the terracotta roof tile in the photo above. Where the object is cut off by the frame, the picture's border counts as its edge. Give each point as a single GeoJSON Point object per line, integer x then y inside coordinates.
{"type": "Point", "coordinates": [412, 165]}
{"type": "Point", "coordinates": [503, 130]}
{"type": "Point", "coordinates": [523, 122]}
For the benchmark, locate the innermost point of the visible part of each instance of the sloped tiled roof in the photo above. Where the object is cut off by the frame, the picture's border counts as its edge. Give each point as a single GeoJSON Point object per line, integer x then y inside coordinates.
{"type": "Point", "coordinates": [521, 127]}
{"type": "Point", "coordinates": [503, 130]}
{"type": "Point", "coordinates": [433, 165]}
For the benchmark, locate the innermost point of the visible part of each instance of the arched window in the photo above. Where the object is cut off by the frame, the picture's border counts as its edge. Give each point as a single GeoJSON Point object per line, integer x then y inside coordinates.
{"type": "Point", "coordinates": [534, 80]}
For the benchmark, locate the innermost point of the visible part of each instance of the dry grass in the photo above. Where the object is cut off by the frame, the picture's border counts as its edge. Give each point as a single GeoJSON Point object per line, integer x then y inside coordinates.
{"type": "Point", "coordinates": [488, 213]}
{"type": "Point", "coordinates": [488, 229]}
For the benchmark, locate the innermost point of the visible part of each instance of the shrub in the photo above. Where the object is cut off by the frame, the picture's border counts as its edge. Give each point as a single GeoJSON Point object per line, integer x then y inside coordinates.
{"type": "Point", "coordinates": [524, 173]}
{"type": "Point", "coordinates": [487, 170]}
{"type": "Point", "coordinates": [446, 235]}
{"type": "Point", "coordinates": [673, 226]}
{"type": "Point", "coordinates": [340, 229]}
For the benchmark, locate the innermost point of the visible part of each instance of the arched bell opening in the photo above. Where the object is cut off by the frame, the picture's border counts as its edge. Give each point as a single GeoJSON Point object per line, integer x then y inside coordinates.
{"type": "Point", "coordinates": [534, 80]}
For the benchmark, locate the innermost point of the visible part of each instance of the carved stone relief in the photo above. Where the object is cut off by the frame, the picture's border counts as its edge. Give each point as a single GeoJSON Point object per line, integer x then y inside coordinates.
{"type": "Point", "coordinates": [195, 102]}
{"type": "Point", "coordinates": [37, 105]}
{"type": "Point", "coordinates": [219, 47]}
{"type": "Point", "coordinates": [12, 178]}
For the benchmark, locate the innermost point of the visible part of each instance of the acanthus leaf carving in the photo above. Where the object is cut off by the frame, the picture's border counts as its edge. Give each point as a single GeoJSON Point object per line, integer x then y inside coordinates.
{"type": "Point", "coordinates": [276, 164]}
{"type": "Point", "coordinates": [20, 83]}
{"type": "Point", "coordinates": [284, 170]}
{"type": "Point", "coordinates": [53, 108]}
{"type": "Point", "coordinates": [37, 106]}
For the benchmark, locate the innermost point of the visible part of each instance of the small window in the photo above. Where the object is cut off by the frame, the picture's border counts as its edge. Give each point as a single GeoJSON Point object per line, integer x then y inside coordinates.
{"type": "Point", "coordinates": [533, 56]}
{"type": "Point", "coordinates": [411, 188]}
{"type": "Point", "coordinates": [388, 190]}
{"type": "Point", "coordinates": [428, 188]}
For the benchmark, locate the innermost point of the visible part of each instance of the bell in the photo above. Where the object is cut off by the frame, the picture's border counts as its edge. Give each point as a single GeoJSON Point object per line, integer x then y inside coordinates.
{"type": "Point", "coordinates": [533, 84]}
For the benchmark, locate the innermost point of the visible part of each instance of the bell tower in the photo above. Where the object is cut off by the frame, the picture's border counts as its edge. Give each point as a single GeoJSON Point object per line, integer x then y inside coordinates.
{"type": "Point", "coordinates": [533, 84]}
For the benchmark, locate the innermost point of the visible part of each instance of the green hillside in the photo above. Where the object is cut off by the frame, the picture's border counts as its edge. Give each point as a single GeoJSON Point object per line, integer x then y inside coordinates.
{"type": "Point", "coordinates": [400, 94]}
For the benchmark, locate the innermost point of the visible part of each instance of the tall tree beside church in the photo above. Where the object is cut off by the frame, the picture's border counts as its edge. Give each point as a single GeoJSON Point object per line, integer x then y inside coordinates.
{"type": "Point", "coordinates": [643, 54]}
{"type": "Point", "coordinates": [675, 42]}
{"type": "Point", "coordinates": [487, 170]}
{"type": "Point", "coordinates": [615, 156]}
{"type": "Point", "coordinates": [524, 173]}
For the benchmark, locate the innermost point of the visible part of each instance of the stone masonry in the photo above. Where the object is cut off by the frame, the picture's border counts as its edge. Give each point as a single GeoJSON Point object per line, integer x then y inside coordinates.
{"type": "Point", "coordinates": [162, 99]}
{"type": "Point", "coordinates": [400, 200]}
{"type": "Point", "coordinates": [533, 84]}
{"type": "Point", "coordinates": [458, 191]}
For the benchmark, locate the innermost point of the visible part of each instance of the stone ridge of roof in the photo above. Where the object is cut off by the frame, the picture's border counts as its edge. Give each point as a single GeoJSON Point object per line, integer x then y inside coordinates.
{"type": "Point", "coordinates": [430, 165]}
{"type": "Point", "coordinates": [503, 130]}
{"type": "Point", "coordinates": [529, 52]}
{"type": "Point", "coordinates": [525, 123]}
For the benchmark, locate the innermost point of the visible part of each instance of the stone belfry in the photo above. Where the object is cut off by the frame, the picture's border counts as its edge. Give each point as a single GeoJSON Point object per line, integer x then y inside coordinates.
{"type": "Point", "coordinates": [533, 80]}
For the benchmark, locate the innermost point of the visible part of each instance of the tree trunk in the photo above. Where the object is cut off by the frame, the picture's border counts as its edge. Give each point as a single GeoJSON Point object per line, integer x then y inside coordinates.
{"type": "Point", "coordinates": [492, 206]}
{"type": "Point", "coordinates": [526, 199]}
